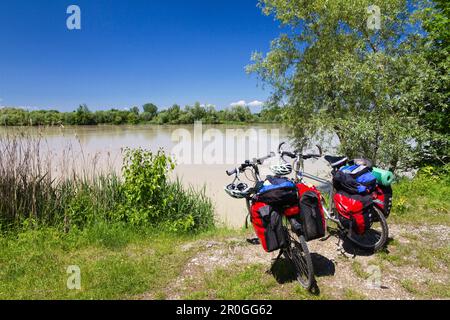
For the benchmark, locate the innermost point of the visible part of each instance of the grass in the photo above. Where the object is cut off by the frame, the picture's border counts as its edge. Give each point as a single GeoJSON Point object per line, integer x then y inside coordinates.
{"type": "Point", "coordinates": [351, 294]}
{"type": "Point", "coordinates": [358, 269]}
{"type": "Point", "coordinates": [116, 262]}
{"type": "Point", "coordinates": [123, 232]}
{"type": "Point", "coordinates": [427, 289]}
{"type": "Point", "coordinates": [428, 252]}
{"type": "Point", "coordinates": [424, 199]}
{"type": "Point", "coordinates": [246, 282]}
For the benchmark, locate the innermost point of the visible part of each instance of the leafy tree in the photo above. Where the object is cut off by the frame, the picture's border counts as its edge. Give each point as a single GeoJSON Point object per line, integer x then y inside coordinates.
{"type": "Point", "coordinates": [271, 113]}
{"type": "Point", "coordinates": [84, 116]}
{"type": "Point", "coordinates": [173, 114]}
{"type": "Point", "coordinates": [163, 117]}
{"type": "Point", "coordinates": [150, 109]}
{"type": "Point", "coordinates": [437, 116]}
{"type": "Point", "coordinates": [135, 110]}
{"type": "Point", "coordinates": [132, 118]}
{"type": "Point", "coordinates": [341, 74]}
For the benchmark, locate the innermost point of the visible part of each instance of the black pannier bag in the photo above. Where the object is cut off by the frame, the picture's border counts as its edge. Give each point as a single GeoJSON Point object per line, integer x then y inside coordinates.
{"type": "Point", "coordinates": [312, 217]}
{"type": "Point", "coordinates": [268, 226]}
{"type": "Point", "coordinates": [277, 192]}
{"type": "Point", "coordinates": [355, 180]}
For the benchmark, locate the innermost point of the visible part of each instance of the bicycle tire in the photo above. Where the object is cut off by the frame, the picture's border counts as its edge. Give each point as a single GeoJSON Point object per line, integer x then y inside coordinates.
{"type": "Point", "coordinates": [298, 253]}
{"type": "Point", "coordinates": [383, 238]}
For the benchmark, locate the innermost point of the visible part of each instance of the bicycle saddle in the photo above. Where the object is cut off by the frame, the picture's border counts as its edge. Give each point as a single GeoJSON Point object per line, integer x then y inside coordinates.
{"type": "Point", "coordinates": [336, 162]}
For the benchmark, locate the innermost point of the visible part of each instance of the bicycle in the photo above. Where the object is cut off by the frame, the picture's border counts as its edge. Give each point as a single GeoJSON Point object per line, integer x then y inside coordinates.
{"type": "Point", "coordinates": [375, 238]}
{"type": "Point", "coordinates": [296, 249]}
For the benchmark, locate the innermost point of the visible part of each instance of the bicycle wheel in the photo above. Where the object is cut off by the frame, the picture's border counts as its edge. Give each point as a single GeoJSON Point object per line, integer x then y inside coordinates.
{"type": "Point", "coordinates": [376, 237]}
{"type": "Point", "coordinates": [298, 253]}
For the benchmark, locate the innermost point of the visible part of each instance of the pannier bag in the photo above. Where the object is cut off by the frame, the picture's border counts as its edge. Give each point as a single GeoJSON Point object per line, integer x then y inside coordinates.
{"type": "Point", "coordinates": [277, 192]}
{"type": "Point", "coordinates": [268, 226]}
{"type": "Point", "coordinates": [383, 195]}
{"type": "Point", "coordinates": [355, 179]}
{"type": "Point", "coordinates": [311, 217]}
{"type": "Point", "coordinates": [355, 210]}
{"type": "Point", "coordinates": [292, 212]}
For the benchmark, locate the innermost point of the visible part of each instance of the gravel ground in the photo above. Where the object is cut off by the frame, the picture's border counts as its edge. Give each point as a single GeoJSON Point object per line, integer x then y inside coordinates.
{"type": "Point", "coordinates": [338, 271]}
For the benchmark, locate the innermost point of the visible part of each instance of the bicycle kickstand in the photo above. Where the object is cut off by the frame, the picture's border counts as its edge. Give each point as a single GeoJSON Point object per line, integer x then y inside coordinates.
{"type": "Point", "coordinates": [279, 255]}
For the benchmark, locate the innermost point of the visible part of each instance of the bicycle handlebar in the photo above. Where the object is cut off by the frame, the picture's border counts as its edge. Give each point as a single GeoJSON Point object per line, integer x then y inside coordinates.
{"type": "Point", "coordinates": [295, 154]}
{"type": "Point", "coordinates": [260, 161]}
{"type": "Point", "coordinates": [288, 154]}
{"type": "Point", "coordinates": [248, 164]}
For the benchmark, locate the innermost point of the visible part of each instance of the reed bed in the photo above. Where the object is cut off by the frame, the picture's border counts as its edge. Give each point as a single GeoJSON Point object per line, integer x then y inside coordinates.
{"type": "Point", "coordinates": [38, 188]}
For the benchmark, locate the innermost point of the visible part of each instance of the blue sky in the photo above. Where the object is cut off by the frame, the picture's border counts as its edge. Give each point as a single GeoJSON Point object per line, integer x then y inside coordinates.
{"type": "Point", "coordinates": [131, 52]}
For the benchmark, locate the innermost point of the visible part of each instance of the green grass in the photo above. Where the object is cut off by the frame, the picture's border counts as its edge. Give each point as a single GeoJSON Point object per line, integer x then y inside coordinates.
{"type": "Point", "coordinates": [238, 285]}
{"type": "Point", "coordinates": [423, 252]}
{"type": "Point", "coordinates": [424, 199]}
{"type": "Point", "coordinates": [359, 270]}
{"type": "Point", "coordinates": [427, 289]}
{"type": "Point", "coordinates": [351, 294]}
{"type": "Point", "coordinates": [247, 282]}
{"type": "Point", "coordinates": [116, 262]}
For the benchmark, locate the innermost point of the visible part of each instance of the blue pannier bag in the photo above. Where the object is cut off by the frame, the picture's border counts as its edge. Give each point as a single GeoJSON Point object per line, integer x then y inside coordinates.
{"type": "Point", "coordinates": [277, 191]}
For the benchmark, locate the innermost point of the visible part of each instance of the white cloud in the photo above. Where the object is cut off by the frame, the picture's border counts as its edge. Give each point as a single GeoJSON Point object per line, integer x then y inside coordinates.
{"type": "Point", "coordinates": [241, 103]}
{"type": "Point", "coordinates": [256, 104]}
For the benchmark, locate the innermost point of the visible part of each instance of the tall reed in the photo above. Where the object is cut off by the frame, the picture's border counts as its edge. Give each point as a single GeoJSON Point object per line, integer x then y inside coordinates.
{"type": "Point", "coordinates": [39, 188]}
{"type": "Point", "coordinates": [34, 187]}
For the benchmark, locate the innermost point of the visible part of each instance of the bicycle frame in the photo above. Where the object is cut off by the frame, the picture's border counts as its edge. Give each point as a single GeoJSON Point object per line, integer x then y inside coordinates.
{"type": "Point", "coordinates": [299, 178]}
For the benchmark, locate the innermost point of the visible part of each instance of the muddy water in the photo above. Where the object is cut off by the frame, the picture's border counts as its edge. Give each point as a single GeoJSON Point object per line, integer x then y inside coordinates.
{"type": "Point", "coordinates": [203, 153]}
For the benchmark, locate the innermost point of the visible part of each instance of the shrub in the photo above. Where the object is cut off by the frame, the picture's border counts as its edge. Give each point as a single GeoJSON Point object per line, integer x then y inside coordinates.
{"type": "Point", "coordinates": [150, 198]}
{"type": "Point", "coordinates": [145, 181]}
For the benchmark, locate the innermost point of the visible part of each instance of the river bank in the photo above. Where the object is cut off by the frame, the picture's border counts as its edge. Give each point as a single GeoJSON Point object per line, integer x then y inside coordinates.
{"type": "Point", "coordinates": [119, 261]}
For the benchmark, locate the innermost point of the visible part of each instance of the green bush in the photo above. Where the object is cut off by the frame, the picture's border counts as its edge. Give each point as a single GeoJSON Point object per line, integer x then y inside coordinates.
{"type": "Point", "coordinates": [150, 198]}
{"type": "Point", "coordinates": [145, 182]}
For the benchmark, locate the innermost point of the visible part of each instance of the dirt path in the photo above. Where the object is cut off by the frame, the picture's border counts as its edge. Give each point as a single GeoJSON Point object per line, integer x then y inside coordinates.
{"type": "Point", "coordinates": [405, 271]}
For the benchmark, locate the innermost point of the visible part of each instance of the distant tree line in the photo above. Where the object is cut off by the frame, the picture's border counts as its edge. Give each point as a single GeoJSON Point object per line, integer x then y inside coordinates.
{"type": "Point", "coordinates": [149, 113]}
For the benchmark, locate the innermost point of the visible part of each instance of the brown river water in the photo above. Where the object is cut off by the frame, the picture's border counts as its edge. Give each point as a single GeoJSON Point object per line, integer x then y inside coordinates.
{"type": "Point", "coordinates": [203, 153]}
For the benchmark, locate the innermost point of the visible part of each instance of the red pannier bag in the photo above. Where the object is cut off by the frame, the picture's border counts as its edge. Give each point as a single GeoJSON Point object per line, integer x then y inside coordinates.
{"type": "Point", "coordinates": [384, 196]}
{"type": "Point", "coordinates": [310, 214]}
{"type": "Point", "coordinates": [268, 226]}
{"type": "Point", "coordinates": [353, 209]}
